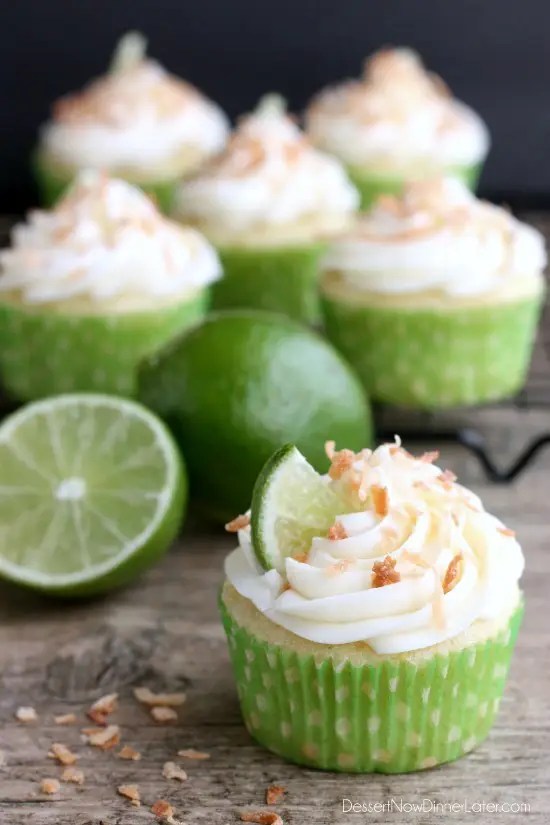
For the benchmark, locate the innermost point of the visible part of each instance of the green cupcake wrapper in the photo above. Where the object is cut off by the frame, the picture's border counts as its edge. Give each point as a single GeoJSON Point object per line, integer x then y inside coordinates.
{"type": "Point", "coordinates": [46, 353]}
{"type": "Point", "coordinates": [53, 181]}
{"type": "Point", "coordinates": [394, 717]}
{"type": "Point", "coordinates": [371, 187]}
{"type": "Point", "coordinates": [436, 358]}
{"type": "Point", "coordinates": [277, 279]}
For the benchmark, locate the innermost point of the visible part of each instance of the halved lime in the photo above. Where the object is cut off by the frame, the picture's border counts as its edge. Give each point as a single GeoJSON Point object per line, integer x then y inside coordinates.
{"type": "Point", "coordinates": [92, 490]}
{"type": "Point", "coordinates": [291, 504]}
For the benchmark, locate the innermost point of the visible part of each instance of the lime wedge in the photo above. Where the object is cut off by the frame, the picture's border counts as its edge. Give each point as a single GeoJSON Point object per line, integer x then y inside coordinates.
{"type": "Point", "coordinates": [92, 491]}
{"type": "Point", "coordinates": [291, 504]}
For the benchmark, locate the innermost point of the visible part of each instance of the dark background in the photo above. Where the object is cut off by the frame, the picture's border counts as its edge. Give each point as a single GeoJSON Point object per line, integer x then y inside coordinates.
{"type": "Point", "coordinates": [495, 54]}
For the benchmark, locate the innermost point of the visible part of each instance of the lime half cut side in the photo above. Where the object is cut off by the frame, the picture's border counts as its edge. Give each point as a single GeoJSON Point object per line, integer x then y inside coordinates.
{"type": "Point", "coordinates": [291, 504]}
{"type": "Point", "coordinates": [92, 491]}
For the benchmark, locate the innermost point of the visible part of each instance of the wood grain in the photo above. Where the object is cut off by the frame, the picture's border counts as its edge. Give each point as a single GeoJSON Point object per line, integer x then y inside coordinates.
{"type": "Point", "coordinates": [164, 632]}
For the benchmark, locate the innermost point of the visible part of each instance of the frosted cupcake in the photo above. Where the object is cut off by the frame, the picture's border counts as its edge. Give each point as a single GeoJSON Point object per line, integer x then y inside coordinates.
{"type": "Point", "coordinates": [434, 297]}
{"type": "Point", "coordinates": [269, 203]}
{"type": "Point", "coordinates": [371, 614]}
{"type": "Point", "coordinates": [90, 288]}
{"type": "Point", "coordinates": [137, 122]}
{"type": "Point", "coordinates": [398, 123]}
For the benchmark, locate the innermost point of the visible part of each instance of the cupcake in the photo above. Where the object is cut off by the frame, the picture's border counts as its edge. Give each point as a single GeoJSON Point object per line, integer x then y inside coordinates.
{"type": "Point", "coordinates": [371, 613]}
{"type": "Point", "coordinates": [137, 122]}
{"type": "Point", "coordinates": [434, 297]}
{"type": "Point", "coordinates": [91, 287]}
{"type": "Point", "coordinates": [398, 123]}
{"type": "Point", "coordinates": [269, 203]}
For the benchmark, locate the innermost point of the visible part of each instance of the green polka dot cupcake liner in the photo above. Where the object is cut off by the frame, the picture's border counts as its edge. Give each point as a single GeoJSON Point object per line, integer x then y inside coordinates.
{"type": "Point", "coordinates": [370, 186]}
{"type": "Point", "coordinates": [434, 358]}
{"type": "Point", "coordinates": [53, 181]}
{"type": "Point", "coordinates": [393, 717]}
{"type": "Point", "coordinates": [45, 353]}
{"type": "Point", "coordinates": [277, 279]}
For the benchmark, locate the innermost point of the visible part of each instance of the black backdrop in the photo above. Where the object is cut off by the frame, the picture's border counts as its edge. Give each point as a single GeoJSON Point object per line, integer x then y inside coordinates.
{"type": "Point", "coordinates": [495, 54]}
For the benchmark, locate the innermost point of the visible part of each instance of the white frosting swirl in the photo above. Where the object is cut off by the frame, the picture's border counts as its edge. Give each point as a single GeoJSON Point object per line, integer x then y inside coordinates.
{"type": "Point", "coordinates": [454, 562]}
{"type": "Point", "coordinates": [438, 235]}
{"type": "Point", "coordinates": [103, 240]}
{"type": "Point", "coordinates": [136, 118]}
{"type": "Point", "coordinates": [396, 117]}
{"type": "Point", "coordinates": [269, 175]}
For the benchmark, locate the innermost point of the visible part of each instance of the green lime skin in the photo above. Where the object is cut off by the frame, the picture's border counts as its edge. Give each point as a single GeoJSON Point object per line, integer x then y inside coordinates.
{"type": "Point", "coordinates": [242, 384]}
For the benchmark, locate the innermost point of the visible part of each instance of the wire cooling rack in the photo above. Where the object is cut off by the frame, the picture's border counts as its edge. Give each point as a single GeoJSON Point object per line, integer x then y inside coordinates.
{"type": "Point", "coordinates": [431, 426]}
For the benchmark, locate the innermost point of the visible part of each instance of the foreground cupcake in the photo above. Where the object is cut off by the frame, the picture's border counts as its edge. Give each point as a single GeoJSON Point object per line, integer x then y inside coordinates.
{"type": "Point", "coordinates": [269, 203]}
{"type": "Point", "coordinates": [398, 123]}
{"type": "Point", "coordinates": [434, 297]}
{"type": "Point", "coordinates": [93, 286]}
{"type": "Point", "coordinates": [137, 122]}
{"type": "Point", "coordinates": [371, 613]}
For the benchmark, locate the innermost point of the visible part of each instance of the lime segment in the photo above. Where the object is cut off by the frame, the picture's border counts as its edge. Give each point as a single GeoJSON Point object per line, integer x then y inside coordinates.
{"type": "Point", "coordinates": [92, 490]}
{"type": "Point", "coordinates": [291, 504]}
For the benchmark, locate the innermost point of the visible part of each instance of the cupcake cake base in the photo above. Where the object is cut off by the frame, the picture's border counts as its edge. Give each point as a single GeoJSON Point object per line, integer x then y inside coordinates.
{"type": "Point", "coordinates": [278, 279]}
{"type": "Point", "coordinates": [318, 706]}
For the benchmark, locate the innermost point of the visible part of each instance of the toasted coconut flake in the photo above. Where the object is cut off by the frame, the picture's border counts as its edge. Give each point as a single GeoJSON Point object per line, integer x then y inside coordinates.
{"type": "Point", "coordinates": [26, 715]}
{"type": "Point", "coordinates": [330, 447]}
{"type": "Point", "coordinates": [429, 458]}
{"type": "Point", "coordinates": [166, 700]}
{"type": "Point", "coordinates": [105, 738]}
{"type": "Point", "coordinates": [62, 754]}
{"type": "Point", "coordinates": [339, 567]}
{"type": "Point", "coordinates": [274, 794]}
{"type": "Point", "coordinates": [451, 575]}
{"type": "Point", "coordinates": [380, 500]}
{"type": "Point", "coordinates": [72, 774]}
{"type": "Point", "coordinates": [505, 531]}
{"type": "Point", "coordinates": [301, 557]}
{"type": "Point", "coordinates": [337, 532]}
{"type": "Point", "coordinates": [447, 479]}
{"type": "Point", "coordinates": [342, 461]}
{"type": "Point", "coordinates": [164, 715]}
{"type": "Point", "coordinates": [191, 753]}
{"type": "Point", "coordinates": [50, 786]}
{"type": "Point", "coordinates": [102, 708]}
{"type": "Point", "coordinates": [173, 771]}
{"type": "Point", "coordinates": [237, 524]}
{"type": "Point", "coordinates": [130, 792]}
{"type": "Point", "coordinates": [262, 817]}
{"type": "Point", "coordinates": [163, 809]}
{"type": "Point", "coordinates": [129, 753]}
{"type": "Point", "coordinates": [384, 572]}
{"type": "Point", "coordinates": [65, 719]}
{"type": "Point", "coordinates": [415, 558]}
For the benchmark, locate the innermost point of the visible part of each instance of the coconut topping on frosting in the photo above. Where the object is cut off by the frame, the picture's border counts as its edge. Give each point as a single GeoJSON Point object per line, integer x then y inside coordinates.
{"type": "Point", "coordinates": [437, 235]}
{"type": "Point", "coordinates": [268, 175]}
{"type": "Point", "coordinates": [103, 240]}
{"type": "Point", "coordinates": [136, 116]}
{"type": "Point", "coordinates": [397, 113]}
{"type": "Point", "coordinates": [415, 563]}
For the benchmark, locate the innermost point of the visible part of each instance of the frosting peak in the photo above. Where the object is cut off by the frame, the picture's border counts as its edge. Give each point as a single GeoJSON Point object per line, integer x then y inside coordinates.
{"type": "Point", "coordinates": [438, 235]}
{"type": "Point", "coordinates": [104, 239]}
{"type": "Point", "coordinates": [269, 174]}
{"type": "Point", "coordinates": [414, 561]}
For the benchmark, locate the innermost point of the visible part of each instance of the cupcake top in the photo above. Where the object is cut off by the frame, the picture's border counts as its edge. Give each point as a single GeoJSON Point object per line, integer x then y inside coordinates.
{"type": "Point", "coordinates": [412, 561]}
{"type": "Point", "coordinates": [396, 115]}
{"type": "Point", "coordinates": [268, 176]}
{"type": "Point", "coordinates": [104, 240]}
{"type": "Point", "coordinates": [137, 117]}
{"type": "Point", "coordinates": [438, 236]}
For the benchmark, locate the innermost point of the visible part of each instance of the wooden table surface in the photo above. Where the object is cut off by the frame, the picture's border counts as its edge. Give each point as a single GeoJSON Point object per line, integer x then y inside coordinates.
{"type": "Point", "coordinates": [164, 633]}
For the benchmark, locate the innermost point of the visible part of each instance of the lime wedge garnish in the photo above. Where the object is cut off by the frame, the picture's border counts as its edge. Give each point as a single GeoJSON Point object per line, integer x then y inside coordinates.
{"type": "Point", "coordinates": [92, 490]}
{"type": "Point", "coordinates": [291, 504]}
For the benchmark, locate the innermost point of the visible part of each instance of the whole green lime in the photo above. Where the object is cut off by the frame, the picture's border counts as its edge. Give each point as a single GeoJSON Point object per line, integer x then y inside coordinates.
{"type": "Point", "coordinates": [240, 385]}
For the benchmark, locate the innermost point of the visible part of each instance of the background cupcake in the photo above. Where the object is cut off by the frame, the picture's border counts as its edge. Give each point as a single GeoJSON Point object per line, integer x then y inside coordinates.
{"type": "Point", "coordinates": [269, 203]}
{"type": "Point", "coordinates": [398, 123]}
{"type": "Point", "coordinates": [434, 297]}
{"type": "Point", "coordinates": [91, 287]}
{"type": "Point", "coordinates": [137, 122]}
{"type": "Point", "coordinates": [371, 613]}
